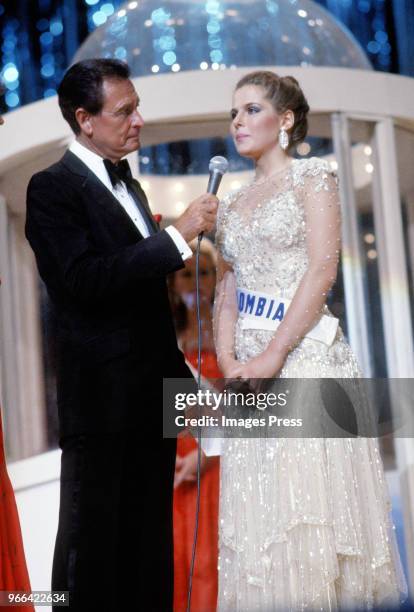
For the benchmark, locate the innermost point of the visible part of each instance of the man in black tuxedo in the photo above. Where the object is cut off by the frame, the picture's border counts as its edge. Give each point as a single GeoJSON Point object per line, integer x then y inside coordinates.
{"type": "Point", "coordinates": [104, 262]}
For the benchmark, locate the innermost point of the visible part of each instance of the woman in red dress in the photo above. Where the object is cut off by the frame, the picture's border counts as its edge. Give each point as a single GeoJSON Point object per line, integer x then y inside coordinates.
{"type": "Point", "coordinates": [13, 570]}
{"type": "Point", "coordinates": [204, 591]}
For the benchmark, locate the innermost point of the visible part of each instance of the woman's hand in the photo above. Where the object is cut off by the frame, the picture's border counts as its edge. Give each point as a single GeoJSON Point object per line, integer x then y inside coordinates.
{"type": "Point", "coordinates": [231, 368]}
{"type": "Point", "coordinates": [266, 365]}
{"type": "Point", "coordinates": [186, 467]}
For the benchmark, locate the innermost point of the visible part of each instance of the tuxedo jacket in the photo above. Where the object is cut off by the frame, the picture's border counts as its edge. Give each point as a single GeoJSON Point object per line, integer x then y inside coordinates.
{"type": "Point", "coordinates": [107, 284]}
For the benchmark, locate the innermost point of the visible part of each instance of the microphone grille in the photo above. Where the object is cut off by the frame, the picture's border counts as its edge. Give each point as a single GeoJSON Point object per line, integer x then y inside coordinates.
{"type": "Point", "coordinates": [218, 164]}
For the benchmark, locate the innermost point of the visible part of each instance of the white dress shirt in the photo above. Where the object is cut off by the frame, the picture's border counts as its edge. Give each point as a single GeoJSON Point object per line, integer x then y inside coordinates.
{"type": "Point", "coordinates": [120, 192]}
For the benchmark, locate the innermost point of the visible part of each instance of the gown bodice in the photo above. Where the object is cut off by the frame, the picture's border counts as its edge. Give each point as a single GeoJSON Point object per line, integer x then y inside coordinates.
{"type": "Point", "coordinates": [262, 226]}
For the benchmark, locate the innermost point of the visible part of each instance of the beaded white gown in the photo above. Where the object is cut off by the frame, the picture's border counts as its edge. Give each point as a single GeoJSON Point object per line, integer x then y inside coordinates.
{"type": "Point", "coordinates": [304, 523]}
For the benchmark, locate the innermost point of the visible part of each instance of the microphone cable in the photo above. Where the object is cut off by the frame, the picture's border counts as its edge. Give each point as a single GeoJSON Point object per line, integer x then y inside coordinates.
{"type": "Point", "coordinates": [199, 342]}
{"type": "Point", "coordinates": [217, 167]}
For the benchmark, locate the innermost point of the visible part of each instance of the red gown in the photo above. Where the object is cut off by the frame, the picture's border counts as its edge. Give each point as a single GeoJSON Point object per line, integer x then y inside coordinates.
{"type": "Point", "coordinates": [204, 591]}
{"type": "Point", "coordinates": [13, 570]}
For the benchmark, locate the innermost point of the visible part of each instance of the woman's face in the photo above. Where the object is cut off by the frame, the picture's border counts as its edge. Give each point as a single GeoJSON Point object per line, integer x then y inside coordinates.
{"type": "Point", "coordinates": [255, 124]}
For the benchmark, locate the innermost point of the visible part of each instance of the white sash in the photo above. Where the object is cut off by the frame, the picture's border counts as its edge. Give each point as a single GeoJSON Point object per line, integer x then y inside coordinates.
{"type": "Point", "coordinates": [259, 310]}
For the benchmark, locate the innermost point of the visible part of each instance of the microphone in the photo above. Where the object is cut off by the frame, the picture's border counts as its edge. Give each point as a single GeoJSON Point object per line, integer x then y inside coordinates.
{"type": "Point", "coordinates": [217, 167]}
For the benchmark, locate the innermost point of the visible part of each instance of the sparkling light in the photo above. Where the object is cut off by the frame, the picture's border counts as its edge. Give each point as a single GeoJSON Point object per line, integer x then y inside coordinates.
{"type": "Point", "coordinates": [215, 66]}
{"type": "Point", "coordinates": [369, 238]}
{"type": "Point", "coordinates": [381, 37]}
{"type": "Point", "coordinates": [372, 254]}
{"type": "Point", "coordinates": [91, 2]}
{"type": "Point", "coordinates": [169, 58]}
{"type": "Point", "coordinates": [46, 38]}
{"type": "Point", "coordinates": [212, 7]}
{"type": "Point", "coordinates": [303, 148]}
{"type": "Point", "coordinates": [369, 168]}
{"type": "Point", "coordinates": [121, 13]}
{"type": "Point", "coordinates": [302, 13]}
{"type": "Point", "coordinates": [99, 18]}
{"type": "Point", "coordinates": [272, 7]}
{"type": "Point", "coordinates": [213, 26]}
{"type": "Point", "coordinates": [364, 6]}
{"type": "Point", "coordinates": [56, 28]}
{"type": "Point", "coordinates": [120, 53]}
{"type": "Point", "coordinates": [334, 165]}
{"type": "Point", "coordinates": [108, 9]}
{"type": "Point", "coordinates": [167, 43]}
{"type": "Point", "coordinates": [132, 5]}
{"type": "Point", "coordinates": [12, 99]}
{"type": "Point", "coordinates": [47, 70]}
{"type": "Point", "coordinates": [373, 46]}
{"type": "Point", "coordinates": [155, 68]}
{"type": "Point", "coordinates": [367, 150]}
{"type": "Point", "coordinates": [203, 65]}
{"type": "Point", "coordinates": [10, 73]}
{"type": "Point", "coordinates": [216, 55]}
{"type": "Point", "coordinates": [175, 67]}
{"type": "Point", "coordinates": [159, 16]}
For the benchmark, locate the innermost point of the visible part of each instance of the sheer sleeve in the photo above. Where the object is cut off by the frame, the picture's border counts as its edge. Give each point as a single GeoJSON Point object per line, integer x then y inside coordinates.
{"type": "Point", "coordinates": [225, 300]}
{"type": "Point", "coordinates": [224, 313]}
{"type": "Point", "coordinates": [319, 194]}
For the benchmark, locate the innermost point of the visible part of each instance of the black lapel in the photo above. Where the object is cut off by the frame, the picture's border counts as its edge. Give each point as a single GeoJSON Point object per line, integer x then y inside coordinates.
{"type": "Point", "coordinates": [140, 193]}
{"type": "Point", "coordinates": [99, 193]}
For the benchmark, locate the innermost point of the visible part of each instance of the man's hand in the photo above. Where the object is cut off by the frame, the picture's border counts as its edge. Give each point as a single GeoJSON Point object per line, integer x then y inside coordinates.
{"type": "Point", "coordinates": [200, 216]}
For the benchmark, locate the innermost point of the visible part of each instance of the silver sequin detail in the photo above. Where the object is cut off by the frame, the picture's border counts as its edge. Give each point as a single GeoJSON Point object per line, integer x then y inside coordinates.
{"type": "Point", "coordinates": [304, 523]}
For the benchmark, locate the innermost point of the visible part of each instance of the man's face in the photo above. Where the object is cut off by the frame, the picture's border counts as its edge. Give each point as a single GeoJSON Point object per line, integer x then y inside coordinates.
{"type": "Point", "coordinates": [115, 130]}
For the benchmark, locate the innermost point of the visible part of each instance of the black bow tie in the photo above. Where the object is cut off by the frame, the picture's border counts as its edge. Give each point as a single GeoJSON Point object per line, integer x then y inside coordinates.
{"type": "Point", "coordinates": [118, 172]}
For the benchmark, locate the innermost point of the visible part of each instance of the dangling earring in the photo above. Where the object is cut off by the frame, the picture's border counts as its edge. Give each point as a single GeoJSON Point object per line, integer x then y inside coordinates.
{"type": "Point", "coordinates": [283, 139]}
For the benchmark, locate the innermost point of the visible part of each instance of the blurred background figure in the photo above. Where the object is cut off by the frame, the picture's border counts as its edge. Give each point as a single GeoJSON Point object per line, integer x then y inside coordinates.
{"type": "Point", "coordinates": [183, 300]}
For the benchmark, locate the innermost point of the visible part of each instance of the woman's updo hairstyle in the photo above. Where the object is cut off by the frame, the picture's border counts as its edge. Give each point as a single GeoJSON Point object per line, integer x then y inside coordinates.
{"type": "Point", "coordinates": [285, 94]}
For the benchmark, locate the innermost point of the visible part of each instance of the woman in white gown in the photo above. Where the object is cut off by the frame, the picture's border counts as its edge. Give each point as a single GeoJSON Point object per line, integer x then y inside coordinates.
{"type": "Point", "coordinates": [304, 523]}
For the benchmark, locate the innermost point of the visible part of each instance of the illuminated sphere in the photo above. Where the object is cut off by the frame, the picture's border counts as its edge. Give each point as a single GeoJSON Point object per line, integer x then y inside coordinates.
{"type": "Point", "coordinates": [194, 34]}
